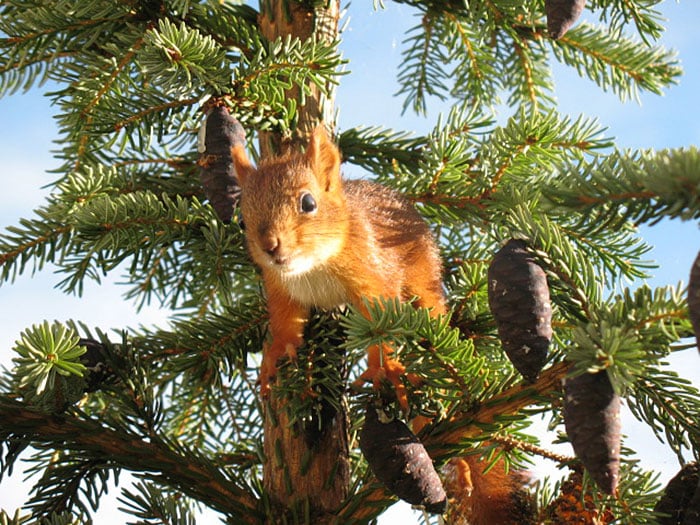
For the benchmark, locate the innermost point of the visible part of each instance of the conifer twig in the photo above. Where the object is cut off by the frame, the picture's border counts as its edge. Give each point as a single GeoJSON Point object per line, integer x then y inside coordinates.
{"type": "Point", "coordinates": [441, 444]}
{"type": "Point", "coordinates": [185, 472]}
{"type": "Point", "coordinates": [509, 442]}
{"type": "Point", "coordinates": [510, 401]}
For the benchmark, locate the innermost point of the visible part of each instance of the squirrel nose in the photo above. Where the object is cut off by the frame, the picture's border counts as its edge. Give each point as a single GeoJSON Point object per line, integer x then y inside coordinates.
{"type": "Point", "coordinates": [271, 245]}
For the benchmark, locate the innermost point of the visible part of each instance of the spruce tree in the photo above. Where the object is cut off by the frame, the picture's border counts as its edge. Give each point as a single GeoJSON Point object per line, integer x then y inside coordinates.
{"type": "Point", "coordinates": [178, 405]}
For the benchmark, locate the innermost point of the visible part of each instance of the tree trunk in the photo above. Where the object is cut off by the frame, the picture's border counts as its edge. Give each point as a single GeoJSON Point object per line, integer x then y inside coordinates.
{"type": "Point", "coordinates": [299, 475]}
{"type": "Point", "coordinates": [298, 18]}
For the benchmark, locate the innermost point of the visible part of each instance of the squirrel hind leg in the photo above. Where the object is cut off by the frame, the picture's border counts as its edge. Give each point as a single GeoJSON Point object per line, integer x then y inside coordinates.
{"type": "Point", "coordinates": [422, 278]}
{"type": "Point", "coordinates": [427, 293]}
{"type": "Point", "coordinates": [381, 369]}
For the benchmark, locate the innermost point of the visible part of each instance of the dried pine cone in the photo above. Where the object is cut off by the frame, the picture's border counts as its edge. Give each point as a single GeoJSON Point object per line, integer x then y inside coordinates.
{"type": "Point", "coordinates": [399, 460]}
{"type": "Point", "coordinates": [694, 298]}
{"type": "Point", "coordinates": [571, 508]}
{"type": "Point", "coordinates": [692, 511]}
{"type": "Point", "coordinates": [561, 15]}
{"type": "Point", "coordinates": [219, 132]}
{"type": "Point", "coordinates": [592, 421]}
{"type": "Point", "coordinates": [519, 301]}
{"type": "Point", "coordinates": [680, 501]}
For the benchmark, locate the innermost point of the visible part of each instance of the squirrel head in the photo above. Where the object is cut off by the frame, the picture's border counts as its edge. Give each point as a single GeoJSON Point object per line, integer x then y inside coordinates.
{"type": "Point", "coordinates": [293, 207]}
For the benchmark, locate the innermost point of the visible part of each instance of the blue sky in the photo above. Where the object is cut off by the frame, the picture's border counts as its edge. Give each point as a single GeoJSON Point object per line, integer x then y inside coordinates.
{"type": "Point", "coordinates": [372, 43]}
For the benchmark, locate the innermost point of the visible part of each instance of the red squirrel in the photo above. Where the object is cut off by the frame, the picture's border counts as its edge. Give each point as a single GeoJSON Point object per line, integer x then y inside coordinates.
{"type": "Point", "coordinates": [322, 241]}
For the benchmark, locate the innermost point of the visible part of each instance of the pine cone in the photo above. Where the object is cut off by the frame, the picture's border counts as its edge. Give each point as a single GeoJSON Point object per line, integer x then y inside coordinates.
{"type": "Point", "coordinates": [572, 506]}
{"type": "Point", "coordinates": [219, 132]}
{"type": "Point", "coordinates": [694, 298]}
{"type": "Point", "coordinates": [561, 15]}
{"type": "Point", "coordinates": [399, 460]}
{"type": "Point", "coordinates": [519, 301]}
{"type": "Point", "coordinates": [681, 498]}
{"type": "Point", "coordinates": [692, 511]}
{"type": "Point", "coordinates": [592, 421]}
{"type": "Point", "coordinates": [97, 370]}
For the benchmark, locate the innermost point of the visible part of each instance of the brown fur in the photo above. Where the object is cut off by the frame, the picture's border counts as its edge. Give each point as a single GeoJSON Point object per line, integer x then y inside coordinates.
{"type": "Point", "coordinates": [497, 497]}
{"type": "Point", "coordinates": [363, 241]}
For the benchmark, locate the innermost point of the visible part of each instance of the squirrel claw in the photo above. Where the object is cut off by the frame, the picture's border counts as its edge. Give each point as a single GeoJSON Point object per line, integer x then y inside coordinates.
{"type": "Point", "coordinates": [391, 371]}
{"type": "Point", "coordinates": [268, 368]}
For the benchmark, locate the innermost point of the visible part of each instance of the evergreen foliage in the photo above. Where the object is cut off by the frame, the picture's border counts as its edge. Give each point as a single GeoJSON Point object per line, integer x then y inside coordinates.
{"type": "Point", "coordinates": [180, 408]}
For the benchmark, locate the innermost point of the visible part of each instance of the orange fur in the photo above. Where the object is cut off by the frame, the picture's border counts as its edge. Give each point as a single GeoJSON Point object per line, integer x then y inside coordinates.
{"type": "Point", "coordinates": [362, 241]}
{"type": "Point", "coordinates": [495, 498]}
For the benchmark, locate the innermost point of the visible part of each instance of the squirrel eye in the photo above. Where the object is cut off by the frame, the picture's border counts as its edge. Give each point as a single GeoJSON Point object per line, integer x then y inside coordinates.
{"type": "Point", "coordinates": [307, 203]}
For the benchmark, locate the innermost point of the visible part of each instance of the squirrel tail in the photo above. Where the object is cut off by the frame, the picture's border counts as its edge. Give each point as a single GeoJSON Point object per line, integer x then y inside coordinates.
{"type": "Point", "coordinates": [496, 497]}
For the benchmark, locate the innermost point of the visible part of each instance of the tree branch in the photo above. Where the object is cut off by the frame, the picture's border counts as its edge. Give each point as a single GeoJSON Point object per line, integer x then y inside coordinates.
{"type": "Point", "coordinates": [447, 436]}
{"type": "Point", "coordinates": [185, 472]}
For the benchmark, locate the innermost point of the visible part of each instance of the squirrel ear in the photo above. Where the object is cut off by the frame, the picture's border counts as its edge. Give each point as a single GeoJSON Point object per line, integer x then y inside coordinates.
{"type": "Point", "coordinates": [324, 158]}
{"type": "Point", "coordinates": [241, 163]}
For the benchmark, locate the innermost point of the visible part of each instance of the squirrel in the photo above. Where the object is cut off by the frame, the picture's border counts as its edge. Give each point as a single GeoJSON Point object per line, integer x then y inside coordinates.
{"type": "Point", "coordinates": [322, 241]}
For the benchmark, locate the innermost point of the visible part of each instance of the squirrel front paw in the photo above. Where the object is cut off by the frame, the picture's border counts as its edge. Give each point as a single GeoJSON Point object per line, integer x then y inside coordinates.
{"type": "Point", "coordinates": [268, 368]}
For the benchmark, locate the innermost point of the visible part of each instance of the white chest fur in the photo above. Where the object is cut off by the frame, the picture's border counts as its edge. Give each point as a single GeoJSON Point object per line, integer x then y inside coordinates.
{"type": "Point", "coordinates": [317, 288]}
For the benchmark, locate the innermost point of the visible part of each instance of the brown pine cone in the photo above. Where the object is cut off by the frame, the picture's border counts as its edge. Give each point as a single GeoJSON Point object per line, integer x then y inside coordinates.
{"type": "Point", "coordinates": [519, 301]}
{"type": "Point", "coordinates": [680, 501]}
{"type": "Point", "coordinates": [561, 15]}
{"type": "Point", "coordinates": [97, 370]}
{"type": "Point", "coordinates": [571, 507]}
{"type": "Point", "coordinates": [218, 134]}
{"type": "Point", "coordinates": [592, 421]}
{"type": "Point", "coordinates": [399, 460]}
{"type": "Point", "coordinates": [694, 298]}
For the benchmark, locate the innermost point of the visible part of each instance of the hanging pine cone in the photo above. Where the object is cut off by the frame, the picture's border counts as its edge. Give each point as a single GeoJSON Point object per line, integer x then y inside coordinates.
{"type": "Point", "coordinates": [592, 421]}
{"type": "Point", "coordinates": [561, 15]}
{"type": "Point", "coordinates": [219, 132]}
{"type": "Point", "coordinates": [692, 511]}
{"type": "Point", "coordinates": [519, 301]}
{"type": "Point", "coordinates": [399, 460]}
{"type": "Point", "coordinates": [681, 498]}
{"type": "Point", "coordinates": [694, 298]}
